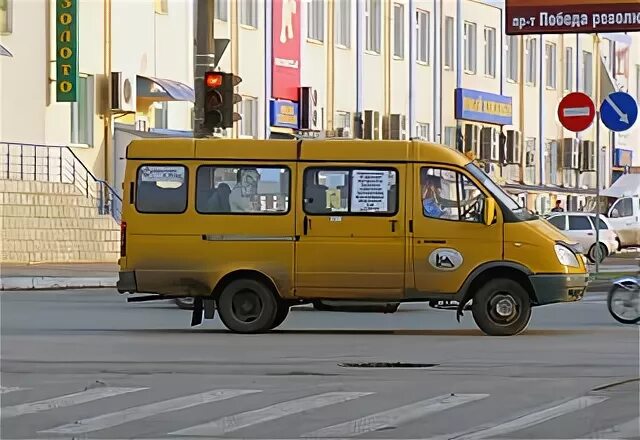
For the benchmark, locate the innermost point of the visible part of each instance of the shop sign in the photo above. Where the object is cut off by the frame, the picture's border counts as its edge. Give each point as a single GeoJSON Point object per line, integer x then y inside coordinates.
{"type": "Point", "coordinates": [473, 105]}
{"type": "Point", "coordinates": [623, 158]}
{"type": "Point", "coordinates": [67, 50]}
{"type": "Point", "coordinates": [571, 16]}
{"type": "Point", "coordinates": [284, 114]}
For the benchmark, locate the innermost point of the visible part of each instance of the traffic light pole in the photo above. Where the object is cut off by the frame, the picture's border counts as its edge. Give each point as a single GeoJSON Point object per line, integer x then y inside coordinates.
{"type": "Point", "coordinates": [204, 59]}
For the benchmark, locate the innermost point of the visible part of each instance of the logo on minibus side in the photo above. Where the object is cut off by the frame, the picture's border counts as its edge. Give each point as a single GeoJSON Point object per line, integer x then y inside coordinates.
{"type": "Point", "coordinates": [445, 259]}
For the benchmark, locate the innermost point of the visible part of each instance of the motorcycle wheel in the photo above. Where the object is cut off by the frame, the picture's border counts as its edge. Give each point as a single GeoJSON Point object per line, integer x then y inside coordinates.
{"type": "Point", "coordinates": [184, 303]}
{"type": "Point", "coordinates": [630, 297]}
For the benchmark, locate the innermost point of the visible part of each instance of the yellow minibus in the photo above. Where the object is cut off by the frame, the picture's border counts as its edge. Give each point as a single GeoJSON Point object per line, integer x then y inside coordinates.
{"type": "Point", "coordinates": [249, 228]}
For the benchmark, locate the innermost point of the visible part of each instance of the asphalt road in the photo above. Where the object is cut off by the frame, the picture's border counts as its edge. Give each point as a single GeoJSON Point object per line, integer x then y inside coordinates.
{"type": "Point", "coordinates": [86, 364]}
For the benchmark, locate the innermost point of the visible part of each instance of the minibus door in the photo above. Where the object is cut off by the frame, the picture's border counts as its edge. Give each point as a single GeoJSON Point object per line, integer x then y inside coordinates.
{"type": "Point", "coordinates": [450, 238]}
{"type": "Point", "coordinates": [351, 231]}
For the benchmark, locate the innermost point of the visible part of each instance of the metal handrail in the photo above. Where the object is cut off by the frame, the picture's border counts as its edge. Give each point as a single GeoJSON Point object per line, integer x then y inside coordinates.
{"type": "Point", "coordinates": [57, 164]}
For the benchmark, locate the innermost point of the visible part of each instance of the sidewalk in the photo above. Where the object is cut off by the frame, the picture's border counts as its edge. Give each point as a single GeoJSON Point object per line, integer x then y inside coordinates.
{"type": "Point", "coordinates": [57, 276]}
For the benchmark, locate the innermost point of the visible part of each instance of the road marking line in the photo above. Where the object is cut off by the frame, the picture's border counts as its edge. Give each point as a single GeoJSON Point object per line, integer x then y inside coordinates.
{"type": "Point", "coordinates": [141, 412]}
{"type": "Point", "coordinates": [242, 420]}
{"type": "Point", "coordinates": [64, 401]}
{"type": "Point", "coordinates": [630, 429]}
{"type": "Point", "coordinates": [530, 419]}
{"type": "Point", "coordinates": [396, 416]}
{"type": "Point", "coordinates": [4, 390]}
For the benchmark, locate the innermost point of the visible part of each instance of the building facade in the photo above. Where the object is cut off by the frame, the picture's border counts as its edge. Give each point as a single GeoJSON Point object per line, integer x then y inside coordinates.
{"type": "Point", "coordinates": [441, 70]}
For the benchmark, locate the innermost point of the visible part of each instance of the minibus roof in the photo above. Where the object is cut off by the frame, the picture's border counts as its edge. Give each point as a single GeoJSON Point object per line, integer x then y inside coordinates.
{"type": "Point", "coordinates": [325, 150]}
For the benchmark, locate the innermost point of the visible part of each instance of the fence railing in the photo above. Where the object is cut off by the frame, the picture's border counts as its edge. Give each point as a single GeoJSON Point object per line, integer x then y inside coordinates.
{"type": "Point", "coordinates": [57, 164]}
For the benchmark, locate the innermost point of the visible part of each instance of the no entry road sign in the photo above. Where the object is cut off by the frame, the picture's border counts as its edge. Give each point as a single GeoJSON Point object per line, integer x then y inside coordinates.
{"type": "Point", "coordinates": [619, 111]}
{"type": "Point", "coordinates": [576, 112]}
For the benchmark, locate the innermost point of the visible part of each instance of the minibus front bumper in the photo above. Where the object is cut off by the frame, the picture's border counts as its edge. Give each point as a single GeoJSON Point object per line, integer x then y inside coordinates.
{"type": "Point", "coordinates": [127, 282]}
{"type": "Point", "coordinates": [556, 288]}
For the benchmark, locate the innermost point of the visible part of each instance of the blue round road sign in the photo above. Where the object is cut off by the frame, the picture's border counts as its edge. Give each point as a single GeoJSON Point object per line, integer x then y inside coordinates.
{"type": "Point", "coordinates": [619, 111]}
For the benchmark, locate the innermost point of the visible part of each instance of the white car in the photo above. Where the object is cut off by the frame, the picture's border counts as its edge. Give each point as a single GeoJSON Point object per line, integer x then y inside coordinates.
{"type": "Point", "coordinates": [580, 226]}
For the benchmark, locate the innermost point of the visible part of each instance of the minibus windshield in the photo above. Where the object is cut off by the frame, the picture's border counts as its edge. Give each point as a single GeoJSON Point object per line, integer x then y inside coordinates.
{"type": "Point", "coordinates": [519, 211]}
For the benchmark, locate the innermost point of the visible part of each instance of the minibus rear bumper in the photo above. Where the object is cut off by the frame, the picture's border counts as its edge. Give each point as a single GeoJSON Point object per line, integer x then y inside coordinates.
{"type": "Point", "coordinates": [556, 288]}
{"type": "Point", "coordinates": [127, 282]}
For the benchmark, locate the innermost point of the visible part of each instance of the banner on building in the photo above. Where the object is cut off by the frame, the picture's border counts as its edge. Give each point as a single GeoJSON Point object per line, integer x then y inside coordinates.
{"type": "Point", "coordinates": [475, 105]}
{"type": "Point", "coordinates": [571, 16]}
{"type": "Point", "coordinates": [67, 50]}
{"type": "Point", "coordinates": [286, 49]}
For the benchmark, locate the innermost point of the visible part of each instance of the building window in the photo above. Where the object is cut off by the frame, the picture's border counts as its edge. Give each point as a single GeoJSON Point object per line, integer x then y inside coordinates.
{"type": "Point", "coordinates": [315, 20]}
{"type": "Point", "coordinates": [242, 190]}
{"type": "Point", "coordinates": [343, 22]}
{"type": "Point", "coordinates": [587, 72]}
{"type": "Point", "coordinates": [6, 14]}
{"type": "Point", "coordinates": [350, 191]}
{"type": "Point", "coordinates": [248, 109]}
{"type": "Point", "coordinates": [221, 11]}
{"type": "Point", "coordinates": [568, 69]}
{"type": "Point", "coordinates": [551, 64]}
{"type": "Point", "coordinates": [512, 58]}
{"type": "Point", "coordinates": [342, 120]}
{"type": "Point", "coordinates": [398, 30]}
{"type": "Point", "coordinates": [162, 6]}
{"type": "Point", "coordinates": [161, 115]}
{"type": "Point", "coordinates": [449, 39]}
{"type": "Point", "coordinates": [465, 201]}
{"type": "Point", "coordinates": [248, 12]}
{"type": "Point", "coordinates": [532, 61]}
{"type": "Point", "coordinates": [162, 189]}
{"type": "Point", "coordinates": [82, 113]}
{"type": "Point", "coordinates": [490, 51]}
{"type": "Point", "coordinates": [450, 136]}
{"type": "Point", "coordinates": [372, 17]}
{"type": "Point", "coordinates": [423, 131]}
{"type": "Point", "coordinates": [638, 82]}
{"type": "Point", "coordinates": [470, 47]}
{"type": "Point", "coordinates": [422, 36]}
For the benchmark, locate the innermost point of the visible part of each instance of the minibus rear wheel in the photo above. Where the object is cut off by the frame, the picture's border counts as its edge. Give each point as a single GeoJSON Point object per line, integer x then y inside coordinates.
{"type": "Point", "coordinates": [501, 307]}
{"type": "Point", "coordinates": [247, 306]}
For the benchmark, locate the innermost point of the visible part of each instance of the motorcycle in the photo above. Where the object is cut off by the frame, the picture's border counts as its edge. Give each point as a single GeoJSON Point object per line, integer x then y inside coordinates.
{"type": "Point", "coordinates": [623, 298]}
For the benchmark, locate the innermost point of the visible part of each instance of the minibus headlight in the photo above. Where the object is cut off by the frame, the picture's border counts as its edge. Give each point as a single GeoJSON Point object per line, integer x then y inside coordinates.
{"type": "Point", "coordinates": [566, 256]}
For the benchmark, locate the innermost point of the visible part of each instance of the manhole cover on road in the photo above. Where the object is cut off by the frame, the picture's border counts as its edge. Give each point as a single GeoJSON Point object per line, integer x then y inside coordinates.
{"type": "Point", "coordinates": [385, 365]}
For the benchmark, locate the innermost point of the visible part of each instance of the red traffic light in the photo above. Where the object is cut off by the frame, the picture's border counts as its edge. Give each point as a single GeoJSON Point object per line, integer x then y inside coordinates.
{"type": "Point", "coordinates": [213, 80]}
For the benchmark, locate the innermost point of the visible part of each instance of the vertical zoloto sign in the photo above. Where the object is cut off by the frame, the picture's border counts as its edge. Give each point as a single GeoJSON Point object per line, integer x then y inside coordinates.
{"type": "Point", "coordinates": [67, 50]}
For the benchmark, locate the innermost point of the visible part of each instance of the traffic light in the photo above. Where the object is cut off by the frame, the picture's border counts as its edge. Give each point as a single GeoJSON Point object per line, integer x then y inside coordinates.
{"type": "Point", "coordinates": [220, 99]}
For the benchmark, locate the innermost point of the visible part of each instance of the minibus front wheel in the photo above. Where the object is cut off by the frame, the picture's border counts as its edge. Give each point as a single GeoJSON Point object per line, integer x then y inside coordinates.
{"type": "Point", "coordinates": [501, 307]}
{"type": "Point", "coordinates": [247, 306]}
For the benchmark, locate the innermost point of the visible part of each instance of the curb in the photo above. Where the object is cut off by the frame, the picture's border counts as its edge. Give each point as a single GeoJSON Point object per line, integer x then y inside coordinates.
{"type": "Point", "coordinates": [50, 283]}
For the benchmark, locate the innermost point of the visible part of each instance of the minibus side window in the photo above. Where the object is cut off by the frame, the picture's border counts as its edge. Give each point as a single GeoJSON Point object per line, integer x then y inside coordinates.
{"type": "Point", "coordinates": [242, 190]}
{"type": "Point", "coordinates": [450, 195]}
{"type": "Point", "coordinates": [350, 191]}
{"type": "Point", "coordinates": [162, 189]}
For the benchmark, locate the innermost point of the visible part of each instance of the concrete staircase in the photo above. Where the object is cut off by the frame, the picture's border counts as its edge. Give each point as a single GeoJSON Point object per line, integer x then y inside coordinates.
{"type": "Point", "coordinates": [54, 223]}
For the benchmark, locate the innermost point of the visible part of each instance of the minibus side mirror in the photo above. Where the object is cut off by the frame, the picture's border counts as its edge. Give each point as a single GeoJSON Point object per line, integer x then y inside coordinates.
{"type": "Point", "coordinates": [489, 211]}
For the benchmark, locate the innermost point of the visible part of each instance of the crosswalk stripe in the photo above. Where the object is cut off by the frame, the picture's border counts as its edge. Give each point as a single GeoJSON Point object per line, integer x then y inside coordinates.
{"type": "Point", "coordinates": [64, 401]}
{"type": "Point", "coordinates": [630, 429]}
{"type": "Point", "coordinates": [4, 390]}
{"type": "Point", "coordinates": [396, 416]}
{"type": "Point", "coordinates": [242, 420]}
{"type": "Point", "coordinates": [529, 420]}
{"type": "Point", "coordinates": [141, 412]}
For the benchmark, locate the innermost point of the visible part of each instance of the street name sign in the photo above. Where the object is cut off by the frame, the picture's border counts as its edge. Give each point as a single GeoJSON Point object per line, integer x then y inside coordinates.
{"type": "Point", "coordinates": [619, 111]}
{"type": "Point", "coordinates": [524, 17]}
{"type": "Point", "coordinates": [576, 112]}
